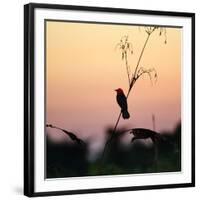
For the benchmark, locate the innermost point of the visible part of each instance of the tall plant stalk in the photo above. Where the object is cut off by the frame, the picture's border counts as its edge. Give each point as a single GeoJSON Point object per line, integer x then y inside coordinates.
{"type": "Point", "coordinates": [138, 72]}
{"type": "Point", "coordinates": [127, 68]}
{"type": "Point", "coordinates": [131, 83]}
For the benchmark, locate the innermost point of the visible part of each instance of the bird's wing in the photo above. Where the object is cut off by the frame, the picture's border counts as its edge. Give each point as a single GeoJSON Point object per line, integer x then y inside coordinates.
{"type": "Point", "coordinates": [122, 101]}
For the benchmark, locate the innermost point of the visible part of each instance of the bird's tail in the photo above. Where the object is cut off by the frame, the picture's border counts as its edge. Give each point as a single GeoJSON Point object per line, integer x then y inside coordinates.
{"type": "Point", "coordinates": [125, 114]}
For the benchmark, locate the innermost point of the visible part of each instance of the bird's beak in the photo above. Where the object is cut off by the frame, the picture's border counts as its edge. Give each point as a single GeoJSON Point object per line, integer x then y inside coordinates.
{"type": "Point", "coordinates": [116, 90]}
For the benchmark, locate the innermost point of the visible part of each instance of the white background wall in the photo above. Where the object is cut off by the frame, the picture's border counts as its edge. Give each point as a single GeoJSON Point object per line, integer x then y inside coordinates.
{"type": "Point", "coordinates": [11, 98]}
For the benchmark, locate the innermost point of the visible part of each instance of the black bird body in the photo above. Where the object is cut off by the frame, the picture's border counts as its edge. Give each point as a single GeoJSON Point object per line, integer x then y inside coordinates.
{"type": "Point", "coordinates": [122, 101]}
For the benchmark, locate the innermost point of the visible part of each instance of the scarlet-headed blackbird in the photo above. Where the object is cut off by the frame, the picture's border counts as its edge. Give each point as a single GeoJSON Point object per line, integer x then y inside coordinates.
{"type": "Point", "coordinates": [122, 101]}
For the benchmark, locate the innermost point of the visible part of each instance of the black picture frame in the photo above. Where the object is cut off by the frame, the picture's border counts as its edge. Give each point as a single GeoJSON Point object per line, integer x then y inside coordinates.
{"type": "Point", "coordinates": [29, 97]}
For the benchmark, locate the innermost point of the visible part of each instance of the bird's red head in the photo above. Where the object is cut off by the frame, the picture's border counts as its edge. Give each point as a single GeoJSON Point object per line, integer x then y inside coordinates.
{"type": "Point", "coordinates": [119, 91]}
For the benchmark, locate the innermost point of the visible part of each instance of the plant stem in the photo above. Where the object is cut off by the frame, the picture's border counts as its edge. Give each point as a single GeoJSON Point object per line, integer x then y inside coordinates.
{"type": "Point", "coordinates": [110, 139]}
{"type": "Point", "coordinates": [141, 54]}
{"type": "Point", "coordinates": [133, 81]}
{"type": "Point", "coordinates": [127, 69]}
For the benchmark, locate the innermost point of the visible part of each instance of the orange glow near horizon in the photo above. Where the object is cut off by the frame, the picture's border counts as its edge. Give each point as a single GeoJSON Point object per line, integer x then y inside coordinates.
{"type": "Point", "coordinates": [83, 68]}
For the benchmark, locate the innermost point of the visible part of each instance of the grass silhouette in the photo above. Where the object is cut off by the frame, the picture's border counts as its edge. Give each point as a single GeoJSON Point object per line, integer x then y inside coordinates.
{"type": "Point", "coordinates": [71, 135]}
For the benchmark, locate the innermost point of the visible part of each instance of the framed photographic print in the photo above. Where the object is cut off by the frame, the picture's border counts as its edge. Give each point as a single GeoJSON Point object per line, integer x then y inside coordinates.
{"type": "Point", "coordinates": [108, 99]}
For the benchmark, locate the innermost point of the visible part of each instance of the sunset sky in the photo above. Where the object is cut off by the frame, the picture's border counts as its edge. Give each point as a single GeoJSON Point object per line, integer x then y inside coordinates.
{"type": "Point", "coordinates": [83, 68]}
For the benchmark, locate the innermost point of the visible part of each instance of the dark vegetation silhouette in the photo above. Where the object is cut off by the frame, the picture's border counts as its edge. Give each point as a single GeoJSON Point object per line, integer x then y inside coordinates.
{"type": "Point", "coordinates": [71, 135]}
{"type": "Point", "coordinates": [142, 133]}
{"type": "Point", "coordinates": [70, 159]}
{"type": "Point", "coordinates": [65, 159]}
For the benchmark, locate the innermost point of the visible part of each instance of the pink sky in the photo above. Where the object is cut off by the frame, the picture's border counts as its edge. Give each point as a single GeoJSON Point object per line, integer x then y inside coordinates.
{"type": "Point", "coordinates": [83, 69]}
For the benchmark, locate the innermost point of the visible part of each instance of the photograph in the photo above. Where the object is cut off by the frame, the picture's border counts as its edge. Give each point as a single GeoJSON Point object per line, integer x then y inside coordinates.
{"type": "Point", "coordinates": [113, 99]}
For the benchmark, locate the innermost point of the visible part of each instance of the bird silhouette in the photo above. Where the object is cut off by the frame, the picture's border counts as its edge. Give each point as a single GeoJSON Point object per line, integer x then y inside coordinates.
{"type": "Point", "coordinates": [122, 101]}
